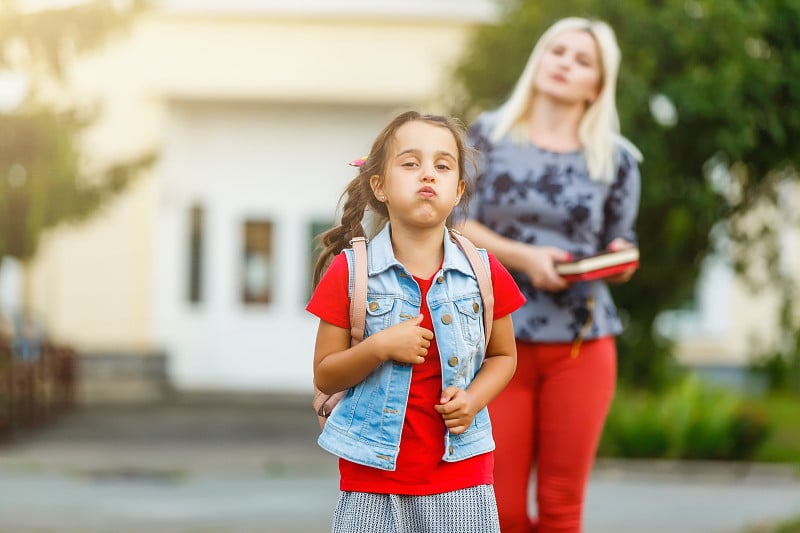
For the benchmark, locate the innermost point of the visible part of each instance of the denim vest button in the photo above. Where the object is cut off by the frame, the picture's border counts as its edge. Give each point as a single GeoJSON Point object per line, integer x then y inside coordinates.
{"type": "Point", "coordinates": [440, 279]}
{"type": "Point", "coordinates": [475, 306]}
{"type": "Point", "coordinates": [453, 361]}
{"type": "Point", "coordinates": [373, 306]}
{"type": "Point", "coordinates": [446, 319]}
{"type": "Point", "coordinates": [450, 449]}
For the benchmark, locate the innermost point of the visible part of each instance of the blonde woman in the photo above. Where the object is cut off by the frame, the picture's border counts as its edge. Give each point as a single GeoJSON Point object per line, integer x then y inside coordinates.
{"type": "Point", "coordinates": [556, 181]}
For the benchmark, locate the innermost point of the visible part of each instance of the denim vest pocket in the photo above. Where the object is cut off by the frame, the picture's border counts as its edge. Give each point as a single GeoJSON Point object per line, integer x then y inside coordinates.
{"type": "Point", "coordinates": [470, 317]}
{"type": "Point", "coordinates": [477, 439]}
{"type": "Point", "coordinates": [379, 313]}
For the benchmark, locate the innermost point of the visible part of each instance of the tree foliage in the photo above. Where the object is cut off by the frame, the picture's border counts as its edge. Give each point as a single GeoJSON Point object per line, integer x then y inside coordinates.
{"type": "Point", "coordinates": [44, 178]}
{"type": "Point", "coordinates": [730, 73]}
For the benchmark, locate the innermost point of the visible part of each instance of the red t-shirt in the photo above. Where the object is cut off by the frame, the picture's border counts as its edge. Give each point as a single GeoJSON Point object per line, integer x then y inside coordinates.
{"type": "Point", "coordinates": [419, 468]}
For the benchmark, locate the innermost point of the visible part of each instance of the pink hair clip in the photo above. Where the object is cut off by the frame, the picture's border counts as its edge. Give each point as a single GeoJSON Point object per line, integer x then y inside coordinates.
{"type": "Point", "coordinates": [358, 162]}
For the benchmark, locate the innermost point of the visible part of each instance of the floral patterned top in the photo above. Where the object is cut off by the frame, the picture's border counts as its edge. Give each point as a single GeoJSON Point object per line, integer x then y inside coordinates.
{"type": "Point", "coordinates": [548, 199]}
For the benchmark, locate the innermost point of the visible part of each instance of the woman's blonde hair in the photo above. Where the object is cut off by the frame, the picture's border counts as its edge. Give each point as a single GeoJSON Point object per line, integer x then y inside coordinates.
{"type": "Point", "coordinates": [598, 130]}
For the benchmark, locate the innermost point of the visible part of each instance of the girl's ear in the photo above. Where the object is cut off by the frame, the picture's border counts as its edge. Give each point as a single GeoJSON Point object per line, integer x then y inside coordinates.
{"type": "Point", "coordinates": [461, 186]}
{"type": "Point", "coordinates": [376, 183]}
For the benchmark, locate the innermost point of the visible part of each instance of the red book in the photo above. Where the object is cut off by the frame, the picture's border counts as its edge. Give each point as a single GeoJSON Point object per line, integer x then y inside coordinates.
{"type": "Point", "coordinates": [599, 266]}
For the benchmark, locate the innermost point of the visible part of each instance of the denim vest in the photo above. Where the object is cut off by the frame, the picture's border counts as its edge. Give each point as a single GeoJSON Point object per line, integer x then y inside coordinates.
{"type": "Point", "coordinates": [366, 424]}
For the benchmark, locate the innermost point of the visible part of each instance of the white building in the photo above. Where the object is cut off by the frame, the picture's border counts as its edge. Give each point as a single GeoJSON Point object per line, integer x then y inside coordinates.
{"type": "Point", "coordinates": [254, 109]}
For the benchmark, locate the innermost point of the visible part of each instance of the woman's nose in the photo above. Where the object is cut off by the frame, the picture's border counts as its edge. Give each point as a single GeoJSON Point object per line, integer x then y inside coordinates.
{"type": "Point", "coordinates": [563, 62]}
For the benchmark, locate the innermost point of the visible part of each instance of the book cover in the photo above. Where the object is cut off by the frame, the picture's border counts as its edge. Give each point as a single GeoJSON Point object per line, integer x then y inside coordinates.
{"type": "Point", "coordinates": [599, 266]}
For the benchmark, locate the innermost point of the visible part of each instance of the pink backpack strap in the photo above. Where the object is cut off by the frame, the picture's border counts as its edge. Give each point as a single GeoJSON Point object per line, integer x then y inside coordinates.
{"type": "Point", "coordinates": [358, 301]}
{"type": "Point", "coordinates": [483, 276]}
{"type": "Point", "coordinates": [324, 403]}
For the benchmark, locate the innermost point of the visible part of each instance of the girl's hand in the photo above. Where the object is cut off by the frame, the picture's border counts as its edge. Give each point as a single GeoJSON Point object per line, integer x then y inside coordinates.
{"type": "Point", "coordinates": [541, 268]}
{"type": "Point", "coordinates": [457, 409]}
{"type": "Point", "coordinates": [406, 342]}
{"type": "Point", "coordinates": [620, 244]}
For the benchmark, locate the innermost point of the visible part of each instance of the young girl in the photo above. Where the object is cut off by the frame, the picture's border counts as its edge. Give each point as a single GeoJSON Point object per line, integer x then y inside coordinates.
{"type": "Point", "coordinates": [412, 431]}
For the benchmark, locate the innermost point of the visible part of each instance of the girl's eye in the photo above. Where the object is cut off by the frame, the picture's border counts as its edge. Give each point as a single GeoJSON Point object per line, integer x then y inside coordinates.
{"type": "Point", "coordinates": [410, 164]}
{"type": "Point", "coordinates": [442, 167]}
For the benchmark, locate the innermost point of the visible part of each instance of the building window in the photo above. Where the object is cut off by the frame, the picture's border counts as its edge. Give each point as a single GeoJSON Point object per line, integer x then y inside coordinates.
{"type": "Point", "coordinates": [257, 263]}
{"type": "Point", "coordinates": [315, 229]}
{"type": "Point", "coordinates": [196, 222]}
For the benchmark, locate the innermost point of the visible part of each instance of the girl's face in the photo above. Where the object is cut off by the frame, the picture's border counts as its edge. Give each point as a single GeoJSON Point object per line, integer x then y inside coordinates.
{"type": "Point", "coordinates": [422, 184]}
{"type": "Point", "coordinates": [570, 69]}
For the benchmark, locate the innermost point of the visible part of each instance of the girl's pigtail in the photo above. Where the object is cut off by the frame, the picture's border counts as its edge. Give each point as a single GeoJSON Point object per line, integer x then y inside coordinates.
{"type": "Point", "coordinates": [356, 198]}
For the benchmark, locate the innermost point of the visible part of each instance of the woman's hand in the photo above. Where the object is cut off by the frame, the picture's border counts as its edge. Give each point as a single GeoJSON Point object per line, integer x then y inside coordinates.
{"type": "Point", "coordinates": [541, 269]}
{"type": "Point", "coordinates": [620, 244]}
{"type": "Point", "coordinates": [537, 262]}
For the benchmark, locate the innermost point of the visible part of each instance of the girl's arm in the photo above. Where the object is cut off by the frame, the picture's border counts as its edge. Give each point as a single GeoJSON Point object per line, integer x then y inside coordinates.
{"type": "Point", "coordinates": [458, 407]}
{"type": "Point", "coordinates": [339, 366]}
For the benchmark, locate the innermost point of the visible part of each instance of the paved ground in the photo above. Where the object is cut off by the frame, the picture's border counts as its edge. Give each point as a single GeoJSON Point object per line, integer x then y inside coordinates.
{"type": "Point", "coordinates": [254, 467]}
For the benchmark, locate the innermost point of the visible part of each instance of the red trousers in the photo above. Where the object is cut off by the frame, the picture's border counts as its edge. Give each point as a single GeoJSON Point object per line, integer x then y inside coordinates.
{"type": "Point", "coordinates": [550, 416]}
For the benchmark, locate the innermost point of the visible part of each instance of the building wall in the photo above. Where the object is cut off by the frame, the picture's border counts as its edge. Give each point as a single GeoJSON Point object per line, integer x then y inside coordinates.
{"type": "Point", "coordinates": [283, 164]}
{"type": "Point", "coordinates": [735, 322]}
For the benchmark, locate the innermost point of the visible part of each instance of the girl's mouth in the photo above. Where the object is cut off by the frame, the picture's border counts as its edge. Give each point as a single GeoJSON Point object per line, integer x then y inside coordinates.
{"type": "Point", "coordinates": [427, 192]}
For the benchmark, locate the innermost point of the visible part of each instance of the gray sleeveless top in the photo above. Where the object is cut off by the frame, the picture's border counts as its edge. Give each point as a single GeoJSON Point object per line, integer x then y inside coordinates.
{"type": "Point", "coordinates": [547, 198]}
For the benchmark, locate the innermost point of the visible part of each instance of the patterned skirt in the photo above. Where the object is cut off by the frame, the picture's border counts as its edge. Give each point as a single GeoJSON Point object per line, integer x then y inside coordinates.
{"type": "Point", "coordinates": [470, 510]}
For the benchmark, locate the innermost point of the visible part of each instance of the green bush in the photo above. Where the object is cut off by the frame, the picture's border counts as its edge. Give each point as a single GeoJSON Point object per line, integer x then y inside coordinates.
{"type": "Point", "coordinates": [690, 420]}
{"type": "Point", "coordinates": [790, 526]}
{"type": "Point", "coordinates": [634, 429]}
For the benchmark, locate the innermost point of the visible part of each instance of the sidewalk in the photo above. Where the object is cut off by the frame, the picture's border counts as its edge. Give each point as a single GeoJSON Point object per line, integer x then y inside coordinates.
{"type": "Point", "coordinates": [254, 467]}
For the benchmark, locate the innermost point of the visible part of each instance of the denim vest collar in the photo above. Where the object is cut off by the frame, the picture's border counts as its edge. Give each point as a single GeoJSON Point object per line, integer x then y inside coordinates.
{"type": "Point", "coordinates": [380, 255]}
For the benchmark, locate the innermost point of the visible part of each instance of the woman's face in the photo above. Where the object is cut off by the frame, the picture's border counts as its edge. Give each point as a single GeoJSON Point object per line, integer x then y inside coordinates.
{"type": "Point", "coordinates": [570, 69]}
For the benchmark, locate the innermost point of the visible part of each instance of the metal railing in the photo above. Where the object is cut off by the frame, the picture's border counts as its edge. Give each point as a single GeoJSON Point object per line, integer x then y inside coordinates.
{"type": "Point", "coordinates": [35, 387]}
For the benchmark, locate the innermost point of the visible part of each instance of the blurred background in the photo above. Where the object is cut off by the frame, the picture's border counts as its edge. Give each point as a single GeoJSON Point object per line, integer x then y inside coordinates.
{"type": "Point", "coordinates": [165, 165]}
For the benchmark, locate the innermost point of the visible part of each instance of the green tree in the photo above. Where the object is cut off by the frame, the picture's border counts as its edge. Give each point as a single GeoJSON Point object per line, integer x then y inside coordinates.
{"type": "Point", "coordinates": [710, 93]}
{"type": "Point", "coordinates": [44, 179]}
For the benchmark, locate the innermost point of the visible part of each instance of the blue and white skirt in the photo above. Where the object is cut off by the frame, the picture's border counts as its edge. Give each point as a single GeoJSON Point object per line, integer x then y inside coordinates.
{"type": "Point", "coordinates": [470, 510]}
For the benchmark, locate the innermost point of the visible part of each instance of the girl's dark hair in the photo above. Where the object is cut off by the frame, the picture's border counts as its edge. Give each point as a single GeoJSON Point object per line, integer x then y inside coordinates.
{"type": "Point", "coordinates": [358, 197]}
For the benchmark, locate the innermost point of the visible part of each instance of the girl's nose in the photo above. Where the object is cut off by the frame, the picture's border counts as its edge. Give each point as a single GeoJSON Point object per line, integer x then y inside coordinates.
{"type": "Point", "coordinates": [428, 173]}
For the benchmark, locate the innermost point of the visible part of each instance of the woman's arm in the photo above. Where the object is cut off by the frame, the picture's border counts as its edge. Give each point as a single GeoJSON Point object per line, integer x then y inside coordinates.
{"type": "Point", "coordinates": [621, 210]}
{"type": "Point", "coordinates": [537, 262]}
